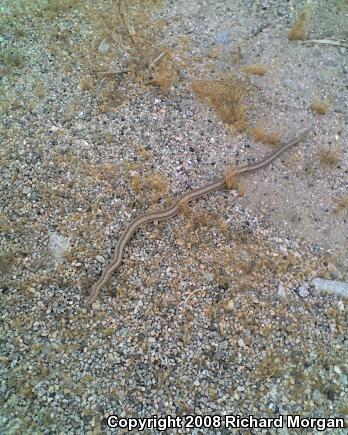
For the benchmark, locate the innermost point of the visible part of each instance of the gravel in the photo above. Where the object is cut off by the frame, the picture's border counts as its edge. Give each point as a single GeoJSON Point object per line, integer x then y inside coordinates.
{"type": "Point", "coordinates": [212, 312]}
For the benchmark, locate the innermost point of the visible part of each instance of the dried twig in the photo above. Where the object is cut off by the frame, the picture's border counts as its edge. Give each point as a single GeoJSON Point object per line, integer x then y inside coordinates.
{"type": "Point", "coordinates": [190, 295]}
{"type": "Point", "coordinates": [125, 22]}
{"type": "Point", "coordinates": [335, 42]}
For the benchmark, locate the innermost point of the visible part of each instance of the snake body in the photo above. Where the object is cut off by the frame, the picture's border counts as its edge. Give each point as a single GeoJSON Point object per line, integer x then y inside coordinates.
{"type": "Point", "coordinates": [168, 213]}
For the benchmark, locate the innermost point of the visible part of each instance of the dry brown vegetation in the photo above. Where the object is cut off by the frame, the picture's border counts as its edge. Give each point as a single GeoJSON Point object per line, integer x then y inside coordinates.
{"type": "Point", "coordinates": [256, 69]}
{"type": "Point", "coordinates": [341, 203]}
{"type": "Point", "coordinates": [39, 89]}
{"type": "Point", "coordinates": [329, 156]}
{"type": "Point", "coordinates": [320, 107]}
{"type": "Point", "coordinates": [166, 71]}
{"type": "Point", "coordinates": [136, 183]}
{"type": "Point", "coordinates": [299, 29]}
{"type": "Point", "coordinates": [261, 134]}
{"type": "Point", "coordinates": [6, 261]}
{"type": "Point", "coordinates": [253, 262]}
{"type": "Point", "coordinates": [233, 182]}
{"type": "Point", "coordinates": [153, 184]}
{"type": "Point", "coordinates": [230, 178]}
{"type": "Point", "coordinates": [59, 7]}
{"type": "Point", "coordinates": [85, 84]}
{"type": "Point", "coordinates": [12, 58]}
{"type": "Point", "coordinates": [143, 33]}
{"type": "Point", "coordinates": [226, 97]}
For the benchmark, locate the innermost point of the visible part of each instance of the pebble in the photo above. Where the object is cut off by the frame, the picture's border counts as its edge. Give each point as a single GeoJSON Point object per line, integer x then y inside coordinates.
{"type": "Point", "coordinates": [241, 342]}
{"type": "Point", "coordinates": [100, 259]}
{"type": "Point", "coordinates": [282, 291]}
{"type": "Point", "coordinates": [230, 305]}
{"type": "Point", "coordinates": [303, 291]}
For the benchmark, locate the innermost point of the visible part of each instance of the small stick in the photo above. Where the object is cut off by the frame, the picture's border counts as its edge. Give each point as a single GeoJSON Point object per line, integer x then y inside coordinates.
{"type": "Point", "coordinates": [337, 43]}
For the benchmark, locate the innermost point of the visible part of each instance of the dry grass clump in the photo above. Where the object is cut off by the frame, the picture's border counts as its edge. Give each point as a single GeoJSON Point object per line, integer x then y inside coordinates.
{"type": "Point", "coordinates": [154, 184]}
{"type": "Point", "coordinates": [232, 182]}
{"type": "Point", "coordinates": [39, 89]}
{"type": "Point", "coordinates": [230, 178]}
{"type": "Point", "coordinates": [329, 156]}
{"type": "Point", "coordinates": [143, 153]}
{"type": "Point", "coordinates": [262, 135]}
{"type": "Point", "coordinates": [299, 30]}
{"type": "Point", "coordinates": [6, 262]}
{"type": "Point", "coordinates": [142, 32]}
{"type": "Point", "coordinates": [320, 107]}
{"type": "Point", "coordinates": [341, 203]}
{"type": "Point", "coordinates": [256, 69]}
{"type": "Point", "coordinates": [136, 183]}
{"type": "Point", "coordinates": [12, 58]}
{"type": "Point", "coordinates": [157, 182]}
{"type": "Point", "coordinates": [202, 219]}
{"type": "Point", "coordinates": [59, 7]}
{"type": "Point", "coordinates": [7, 105]}
{"type": "Point", "coordinates": [272, 365]}
{"type": "Point", "coordinates": [167, 72]}
{"type": "Point", "coordinates": [226, 97]}
{"type": "Point", "coordinates": [124, 47]}
{"type": "Point", "coordinates": [85, 84]}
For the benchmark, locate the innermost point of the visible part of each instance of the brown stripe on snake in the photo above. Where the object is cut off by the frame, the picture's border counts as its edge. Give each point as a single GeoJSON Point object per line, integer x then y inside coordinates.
{"type": "Point", "coordinates": [160, 215]}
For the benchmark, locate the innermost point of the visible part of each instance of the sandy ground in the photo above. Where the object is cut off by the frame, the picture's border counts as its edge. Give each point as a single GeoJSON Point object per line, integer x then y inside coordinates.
{"type": "Point", "coordinates": [212, 312]}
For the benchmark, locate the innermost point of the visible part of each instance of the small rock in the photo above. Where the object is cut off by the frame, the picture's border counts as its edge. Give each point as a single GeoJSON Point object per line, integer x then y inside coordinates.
{"type": "Point", "coordinates": [100, 259]}
{"type": "Point", "coordinates": [104, 46]}
{"type": "Point", "coordinates": [303, 291]}
{"type": "Point", "coordinates": [229, 306]}
{"type": "Point", "coordinates": [344, 379]}
{"type": "Point", "coordinates": [240, 342]}
{"type": "Point", "coordinates": [281, 290]}
{"type": "Point", "coordinates": [337, 370]}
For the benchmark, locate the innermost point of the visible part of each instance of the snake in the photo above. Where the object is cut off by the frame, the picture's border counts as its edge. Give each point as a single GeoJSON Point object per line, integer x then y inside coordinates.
{"type": "Point", "coordinates": [173, 210]}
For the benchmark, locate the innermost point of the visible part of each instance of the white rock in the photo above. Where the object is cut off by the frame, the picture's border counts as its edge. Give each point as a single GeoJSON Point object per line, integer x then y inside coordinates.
{"type": "Point", "coordinates": [340, 305]}
{"type": "Point", "coordinates": [240, 342]}
{"type": "Point", "coordinates": [336, 287]}
{"type": "Point", "coordinates": [104, 46]}
{"type": "Point", "coordinates": [303, 291]}
{"type": "Point", "coordinates": [281, 291]}
{"type": "Point", "coordinates": [100, 259]}
{"type": "Point", "coordinates": [337, 370]}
